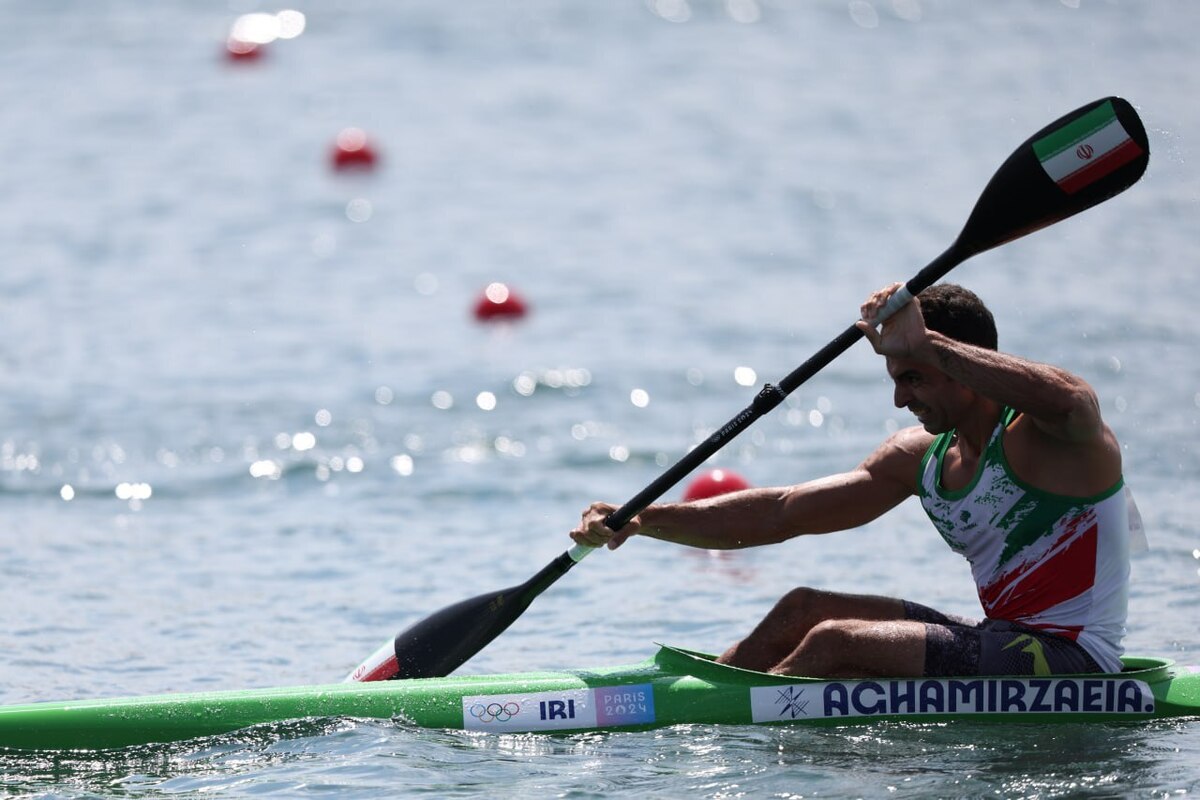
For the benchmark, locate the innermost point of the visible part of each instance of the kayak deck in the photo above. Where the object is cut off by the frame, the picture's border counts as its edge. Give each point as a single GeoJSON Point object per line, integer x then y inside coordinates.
{"type": "Point", "coordinates": [674, 686]}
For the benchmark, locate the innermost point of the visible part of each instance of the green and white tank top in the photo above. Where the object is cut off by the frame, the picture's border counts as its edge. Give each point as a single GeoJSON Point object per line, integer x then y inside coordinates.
{"type": "Point", "coordinates": [1056, 563]}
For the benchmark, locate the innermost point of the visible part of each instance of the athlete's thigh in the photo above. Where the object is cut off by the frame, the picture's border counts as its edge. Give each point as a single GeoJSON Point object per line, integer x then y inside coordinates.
{"type": "Point", "coordinates": [892, 647]}
{"type": "Point", "coordinates": [841, 605]}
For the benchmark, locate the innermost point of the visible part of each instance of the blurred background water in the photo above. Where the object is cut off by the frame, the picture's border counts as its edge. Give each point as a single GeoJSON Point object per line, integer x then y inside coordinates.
{"type": "Point", "coordinates": [250, 429]}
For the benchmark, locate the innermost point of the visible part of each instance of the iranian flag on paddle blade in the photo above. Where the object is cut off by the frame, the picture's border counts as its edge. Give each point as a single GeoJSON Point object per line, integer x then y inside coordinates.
{"type": "Point", "coordinates": [1086, 149]}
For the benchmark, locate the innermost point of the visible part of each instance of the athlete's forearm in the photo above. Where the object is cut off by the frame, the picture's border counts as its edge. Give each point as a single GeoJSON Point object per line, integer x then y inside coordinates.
{"type": "Point", "coordinates": [740, 519]}
{"type": "Point", "coordinates": [765, 516]}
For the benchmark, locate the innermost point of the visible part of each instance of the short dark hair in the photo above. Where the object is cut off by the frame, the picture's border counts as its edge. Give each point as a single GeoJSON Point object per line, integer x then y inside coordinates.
{"type": "Point", "coordinates": [958, 313]}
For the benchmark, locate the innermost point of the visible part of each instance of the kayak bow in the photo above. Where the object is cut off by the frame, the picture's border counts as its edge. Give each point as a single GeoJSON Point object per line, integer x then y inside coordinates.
{"type": "Point", "coordinates": [674, 686]}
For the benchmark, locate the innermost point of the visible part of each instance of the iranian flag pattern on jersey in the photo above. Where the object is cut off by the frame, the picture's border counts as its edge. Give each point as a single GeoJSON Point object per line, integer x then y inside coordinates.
{"type": "Point", "coordinates": [1086, 149]}
{"type": "Point", "coordinates": [1056, 563]}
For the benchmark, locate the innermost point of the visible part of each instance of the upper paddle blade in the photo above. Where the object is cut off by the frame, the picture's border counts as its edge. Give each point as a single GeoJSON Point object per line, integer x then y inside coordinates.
{"type": "Point", "coordinates": [1072, 164]}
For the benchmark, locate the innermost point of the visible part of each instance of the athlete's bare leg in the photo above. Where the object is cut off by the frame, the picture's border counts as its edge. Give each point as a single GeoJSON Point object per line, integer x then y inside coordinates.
{"type": "Point", "coordinates": [831, 635]}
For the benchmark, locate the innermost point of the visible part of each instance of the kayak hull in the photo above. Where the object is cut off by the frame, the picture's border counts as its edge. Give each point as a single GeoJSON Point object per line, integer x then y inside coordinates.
{"type": "Point", "coordinates": [672, 687]}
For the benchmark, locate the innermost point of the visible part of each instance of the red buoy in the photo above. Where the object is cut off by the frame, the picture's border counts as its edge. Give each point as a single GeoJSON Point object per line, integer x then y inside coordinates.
{"type": "Point", "coordinates": [499, 302]}
{"type": "Point", "coordinates": [713, 483]}
{"type": "Point", "coordinates": [352, 150]}
{"type": "Point", "coordinates": [241, 50]}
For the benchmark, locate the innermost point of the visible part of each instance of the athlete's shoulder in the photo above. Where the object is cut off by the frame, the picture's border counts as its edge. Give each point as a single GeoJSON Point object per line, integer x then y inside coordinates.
{"type": "Point", "coordinates": [911, 443]}
{"type": "Point", "coordinates": [900, 455]}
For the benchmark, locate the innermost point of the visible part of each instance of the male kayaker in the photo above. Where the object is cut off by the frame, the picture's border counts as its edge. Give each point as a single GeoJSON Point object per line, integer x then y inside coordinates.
{"type": "Point", "coordinates": [1015, 468]}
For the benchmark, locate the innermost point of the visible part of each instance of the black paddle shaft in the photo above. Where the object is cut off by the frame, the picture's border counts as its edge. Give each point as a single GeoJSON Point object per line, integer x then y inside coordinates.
{"type": "Point", "coordinates": [1027, 193]}
{"type": "Point", "coordinates": [770, 396]}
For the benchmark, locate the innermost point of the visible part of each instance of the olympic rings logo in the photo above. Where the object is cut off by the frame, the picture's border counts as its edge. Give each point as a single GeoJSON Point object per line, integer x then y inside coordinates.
{"type": "Point", "coordinates": [494, 712]}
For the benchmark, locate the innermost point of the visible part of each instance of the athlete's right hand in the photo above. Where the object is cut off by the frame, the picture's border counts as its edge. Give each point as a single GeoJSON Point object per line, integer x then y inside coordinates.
{"type": "Point", "coordinates": [594, 533]}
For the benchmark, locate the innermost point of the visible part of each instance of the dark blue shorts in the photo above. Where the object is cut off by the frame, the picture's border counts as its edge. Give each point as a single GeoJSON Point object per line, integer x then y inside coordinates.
{"type": "Point", "coordinates": [961, 646]}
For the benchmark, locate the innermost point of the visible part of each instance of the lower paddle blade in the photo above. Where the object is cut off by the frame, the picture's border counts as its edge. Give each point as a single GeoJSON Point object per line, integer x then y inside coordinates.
{"type": "Point", "coordinates": [439, 644]}
{"type": "Point", "coordinates": [1075, 162]}
{"type": "Point", "coordinates": [444, 641]}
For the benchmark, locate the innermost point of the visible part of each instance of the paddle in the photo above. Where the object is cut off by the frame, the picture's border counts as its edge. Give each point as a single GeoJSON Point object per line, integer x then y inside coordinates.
{"type": "Point", "coordinates": [1075, 162]}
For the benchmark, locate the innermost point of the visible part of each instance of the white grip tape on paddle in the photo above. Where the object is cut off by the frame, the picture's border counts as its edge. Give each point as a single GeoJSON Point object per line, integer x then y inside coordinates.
{"type": "Point", "coordinates": [580, 551]}
{"type": "Point", "coordinates": [896, 302]}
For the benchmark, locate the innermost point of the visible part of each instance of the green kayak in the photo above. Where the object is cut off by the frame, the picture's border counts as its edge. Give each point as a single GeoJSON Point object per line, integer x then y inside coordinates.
{"type": "Point", "coordinates": [673, 687]}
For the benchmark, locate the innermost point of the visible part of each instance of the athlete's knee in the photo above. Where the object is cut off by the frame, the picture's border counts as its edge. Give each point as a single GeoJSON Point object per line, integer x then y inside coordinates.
{"type": "Point", "coordinates": [799, 598]}
{"type": "Point", "coordinates": [826, 650]}
{"type": "Point", "coordinates": [831, 635]}
{"type": "Point", "coordinates": [803, 603]}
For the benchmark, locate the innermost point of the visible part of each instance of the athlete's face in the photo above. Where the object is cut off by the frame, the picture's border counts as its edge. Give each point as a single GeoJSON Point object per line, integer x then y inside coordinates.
{"type": "Point", "coordinates": [937, 400]}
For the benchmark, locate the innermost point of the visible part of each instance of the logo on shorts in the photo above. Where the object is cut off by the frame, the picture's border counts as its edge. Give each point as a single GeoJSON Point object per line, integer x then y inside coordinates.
{"type": "Point", "coordinates": [1034, 648]}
